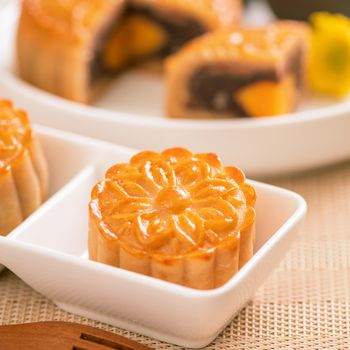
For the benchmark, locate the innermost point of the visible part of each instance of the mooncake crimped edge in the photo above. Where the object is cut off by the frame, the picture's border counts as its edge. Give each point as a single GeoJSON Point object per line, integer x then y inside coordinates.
{"type": "Point", "coordinates": [200, 270]}
{"type": "Point", "coordinates": [23, 187]}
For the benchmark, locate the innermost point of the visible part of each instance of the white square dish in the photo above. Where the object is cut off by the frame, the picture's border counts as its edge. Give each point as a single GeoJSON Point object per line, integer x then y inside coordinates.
{"type": "Point", "coordinates": [49, 252]}
{"type": "Point", "coordinates": [131, 113]}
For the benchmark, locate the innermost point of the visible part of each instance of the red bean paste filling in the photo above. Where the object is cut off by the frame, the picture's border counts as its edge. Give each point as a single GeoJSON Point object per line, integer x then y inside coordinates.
{"type": "Point", "coordinates": [180, 29]}
{"type": "Point", "coordinates": [212, 87]}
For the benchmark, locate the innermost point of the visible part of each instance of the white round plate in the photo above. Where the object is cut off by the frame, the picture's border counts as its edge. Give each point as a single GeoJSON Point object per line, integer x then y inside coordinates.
{"type": "Point", "coordinates": [131, 113]}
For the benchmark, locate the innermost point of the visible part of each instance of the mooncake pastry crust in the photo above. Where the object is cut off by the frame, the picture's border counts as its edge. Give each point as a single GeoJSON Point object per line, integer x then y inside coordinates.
{"type": "Point", "coordinates": [177, 216]}
{"type": "Point", "coordinates": [23, 168]}
{"type": "Point", "coordinates": [214, 14]}
{"type": "Point", "coordinates": [57, 40]}
{"type": "Point", "coordinates": [240, 52]}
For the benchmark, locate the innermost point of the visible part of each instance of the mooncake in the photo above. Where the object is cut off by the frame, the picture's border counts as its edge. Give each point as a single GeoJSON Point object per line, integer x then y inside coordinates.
{"type": "Point", "coordinates": [69, 47]}
{"type": "Point", "coordinates": [177, 216]}
{"type": "Point", "coordinates": [249, 71]}
{"type": "Point", "coordinates": [23, 168]}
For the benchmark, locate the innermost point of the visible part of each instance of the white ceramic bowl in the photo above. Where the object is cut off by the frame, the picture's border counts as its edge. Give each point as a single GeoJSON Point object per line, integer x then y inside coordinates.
{"type": "Point", "coordinates": [49, 252]}
{"type": "Point", "coordinates": [131, 113]}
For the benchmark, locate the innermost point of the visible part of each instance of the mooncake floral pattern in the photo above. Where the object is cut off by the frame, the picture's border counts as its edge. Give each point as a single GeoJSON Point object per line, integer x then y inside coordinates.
{"type": "Point", "coordinates": [14, 133]}
{"type": "Point", "coordinates": [173, 202]}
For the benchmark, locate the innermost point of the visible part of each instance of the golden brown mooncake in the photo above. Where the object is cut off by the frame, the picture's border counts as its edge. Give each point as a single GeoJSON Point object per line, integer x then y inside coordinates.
{"type": "Point", "coordinates": [23, 168]}
{"type": "Point", "coordinates": [67, 47]}
{"type": "Point", "coordinates": [178, 216]}
{"type": "Point", "coordinates": [257, 71]}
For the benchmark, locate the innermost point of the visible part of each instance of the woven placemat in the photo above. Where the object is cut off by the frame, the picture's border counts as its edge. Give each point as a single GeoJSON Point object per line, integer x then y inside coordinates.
{"type": "Point", "coordinates": [305, 304]}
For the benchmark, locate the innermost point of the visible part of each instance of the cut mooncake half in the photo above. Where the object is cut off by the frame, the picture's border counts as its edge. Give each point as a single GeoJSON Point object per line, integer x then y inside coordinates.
{"type": "Point", "coordinates": [23, 168]}
{"type": "Point", "coordinates": [252, 71]}
{"type": "Point", "coordinates": [178, 216]}
{"type": "Point", "coordinates": [68, 47]}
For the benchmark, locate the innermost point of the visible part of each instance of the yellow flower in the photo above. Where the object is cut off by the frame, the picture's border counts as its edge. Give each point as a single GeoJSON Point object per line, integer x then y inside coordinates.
{"type": "Point", "coordinates": [329, 66]}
